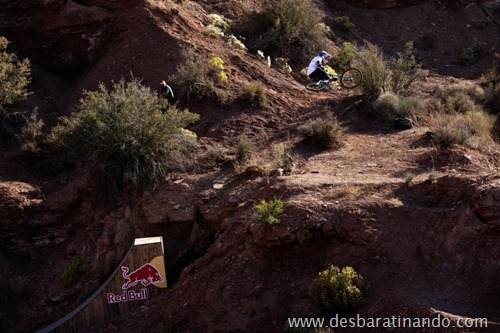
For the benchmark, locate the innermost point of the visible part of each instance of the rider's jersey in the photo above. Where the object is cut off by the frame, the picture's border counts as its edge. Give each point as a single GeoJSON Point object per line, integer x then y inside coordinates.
{"type": "Point", "coordinates": [314, 64]}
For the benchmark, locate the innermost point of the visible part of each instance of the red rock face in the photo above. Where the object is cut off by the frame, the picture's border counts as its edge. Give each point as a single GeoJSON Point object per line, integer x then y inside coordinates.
{"type": "Point", "coordinates": [63, 36]}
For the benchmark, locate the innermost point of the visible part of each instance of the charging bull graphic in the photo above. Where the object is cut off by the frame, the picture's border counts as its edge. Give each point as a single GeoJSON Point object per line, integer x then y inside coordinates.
{"type": "Point", "coordinates": [146, 275]}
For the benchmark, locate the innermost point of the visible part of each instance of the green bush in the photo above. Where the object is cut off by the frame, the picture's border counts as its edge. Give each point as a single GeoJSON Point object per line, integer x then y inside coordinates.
{"type": "Point", "coordinates": [15, 75]}
{"type": "Point", "coordinates": [338, 290]}
{"type": "Point", "coordinates": [267, 212]}
{"type": "Point", "coordinates": [325, 132]}
{"type": "Point", "coordinates": [196, 75]}
{"type": "Point", "coordinates": [344, 23]}
{"type": "Point", "coordinates": [375, 68]}
{"type": "Point", "coordinates": [291, 29]}
{"type": "Point", "coordinates": [380, 75]}
{"type": "Point", "coordinates": [75, 270]}
{"type": "Point", "coordinates": [254, 93]}
{"type": "Point", "coordinates": [389, 106]}
{"type": "Point", "coordinates": [346, 55]}
{"type": "Point", "coordinates": [482, 23]}
{"type": "Point", "coordinates": [130, 130]}
{"type": "Point", "coordinates": [470, 55]}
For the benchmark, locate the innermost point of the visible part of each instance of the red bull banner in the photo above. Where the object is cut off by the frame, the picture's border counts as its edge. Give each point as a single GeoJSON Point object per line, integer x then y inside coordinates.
{"type": "Point", "coordinates": [148, 274]}
{"type": "Point", "coordinates": [138, 277]}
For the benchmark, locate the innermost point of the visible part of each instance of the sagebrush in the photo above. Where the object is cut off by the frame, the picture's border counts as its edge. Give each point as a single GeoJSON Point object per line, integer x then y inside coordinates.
{"type": "Point", "coordinates": [291, 29]}
{"type": "Point", "coordinates": [197, 75]}
{"type": "Point", "coordinates": [130, 130]}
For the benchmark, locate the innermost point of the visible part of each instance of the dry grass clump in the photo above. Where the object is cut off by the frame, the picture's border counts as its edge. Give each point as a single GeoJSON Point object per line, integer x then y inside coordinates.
{"type": "Point", "coordinates": [325, 132]}
{"type": "Point", "coordinates": [472, 128]}
{"type": "Point", "coordinates": [389, 106]}
{"type": "Point", "coordinates": [254, 93]}
{"type": "Point", "coordinates": [277, 158]}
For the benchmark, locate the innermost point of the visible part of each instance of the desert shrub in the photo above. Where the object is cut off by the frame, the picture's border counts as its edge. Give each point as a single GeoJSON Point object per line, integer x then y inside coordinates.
{"type": "Point", "coordinates": [20, 285]}
{"type": "Point", "coordinates": [338, 290]}
{"type": "Point", "coordinates": [236, 43]}
{"type": "Point", "coordinates": [75, 270]}
{"type": "Point", "coordinates": [482, 23]}
{"type": "Point", "coordinates": [254, 93]}
{"type": "Point", "coordinates": [405, 70]}
{"type": "Point", "coordinates": [492, 99]}
{"type": "Point", "coordinates": [470, 55]}
{"type": "Point", "coordinates": [130, 130]}
{"type": "Point", "coordinates": [371, 61]}
{"type": "Point", "coordinates": [380, 75]}
{"type": "Point", "coordinates": [283, 64]}
{"type": "Point", "coordinates": [214, 31]}
{"type": "Point", "coordinates": [473, 128]}
{"type": "Point", "coordinates": [470, 89]}
{"type": "Point", "coordinates": [15, 75]}
{"type": "Point", "coordinates": [291, 28]}
{"type": "Point", "coordinates": [389, 106]}
{"type": "Point", "coordinates": [32, 133]}
{"type": "Point", "coordinates": [325, 132]}
{"type": "Point", "coordinates": [327, 31]}
{"type": "Point", "coordinates": [267, 212]}
{"type": "Point", "coordinates": [244, 148]}
{"type": "Point", "coordinates": [196, 75]}
{"type": "Point", "coordinates": [212, 156]}
{"type": "Point", "coordinates": [461, 97]}
{"type": "Point", "coordinates": [346, 55]}
{"type": "Point", "coordinates": [344, 23]}
{"type": "Point", "coordinates": [218, 63]}
{"type": "Point", "coordinates": [219, 21]}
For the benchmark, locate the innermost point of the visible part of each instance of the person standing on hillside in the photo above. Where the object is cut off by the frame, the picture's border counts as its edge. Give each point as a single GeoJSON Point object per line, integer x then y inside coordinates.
{"type": "Point", "coordinates": [166, 92]}
{"type": "Point", "coordinates": [316, 69]}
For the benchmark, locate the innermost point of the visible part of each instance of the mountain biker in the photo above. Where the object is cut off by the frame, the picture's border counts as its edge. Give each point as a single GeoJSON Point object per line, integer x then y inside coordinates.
{"type": "Point", "coordinates": [316, 70]}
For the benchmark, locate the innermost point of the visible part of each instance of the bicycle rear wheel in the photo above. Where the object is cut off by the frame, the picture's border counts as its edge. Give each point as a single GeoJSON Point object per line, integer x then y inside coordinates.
{"type": "Point", "coordinates": [317, 86]}
{"type": "Point", "coordinates": [351, 78]}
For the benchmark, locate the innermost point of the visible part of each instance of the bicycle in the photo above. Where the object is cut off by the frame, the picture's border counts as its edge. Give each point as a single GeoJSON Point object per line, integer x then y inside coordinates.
{"type": "Point", "coordinates": [349, 79]}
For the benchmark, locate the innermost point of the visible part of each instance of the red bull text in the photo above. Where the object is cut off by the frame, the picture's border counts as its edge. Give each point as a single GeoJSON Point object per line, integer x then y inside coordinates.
{"type": "Point", "coordinates": [127, 296]}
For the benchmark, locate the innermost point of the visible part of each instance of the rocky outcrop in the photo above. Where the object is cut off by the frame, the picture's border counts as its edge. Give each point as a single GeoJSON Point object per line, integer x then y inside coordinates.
{"type": "Point", "coordinates": [487, 202]}
{"type": "Point", "coordinates": [63, 36]}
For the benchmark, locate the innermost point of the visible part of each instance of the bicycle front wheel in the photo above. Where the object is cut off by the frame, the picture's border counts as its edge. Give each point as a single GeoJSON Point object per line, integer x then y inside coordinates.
{"type": "Point", "coordinates": [351, 78]}
{"type": "Point", "coordinates": [317, 86]}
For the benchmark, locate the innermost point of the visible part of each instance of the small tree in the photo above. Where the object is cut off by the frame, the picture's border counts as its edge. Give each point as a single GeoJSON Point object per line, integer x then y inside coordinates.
{"type": "Point", "coordinates": [267, 212]}
{"type": "Point", "coordinates": [15, 76]}
{"type": "Point", "coordinates": [128, 128]}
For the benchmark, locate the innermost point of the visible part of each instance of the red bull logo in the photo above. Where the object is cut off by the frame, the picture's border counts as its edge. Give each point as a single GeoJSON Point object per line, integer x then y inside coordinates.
{"type": "Point", "coordinates": [146, 275]}
{"type": "Point", "coordinates": [128, 295]}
